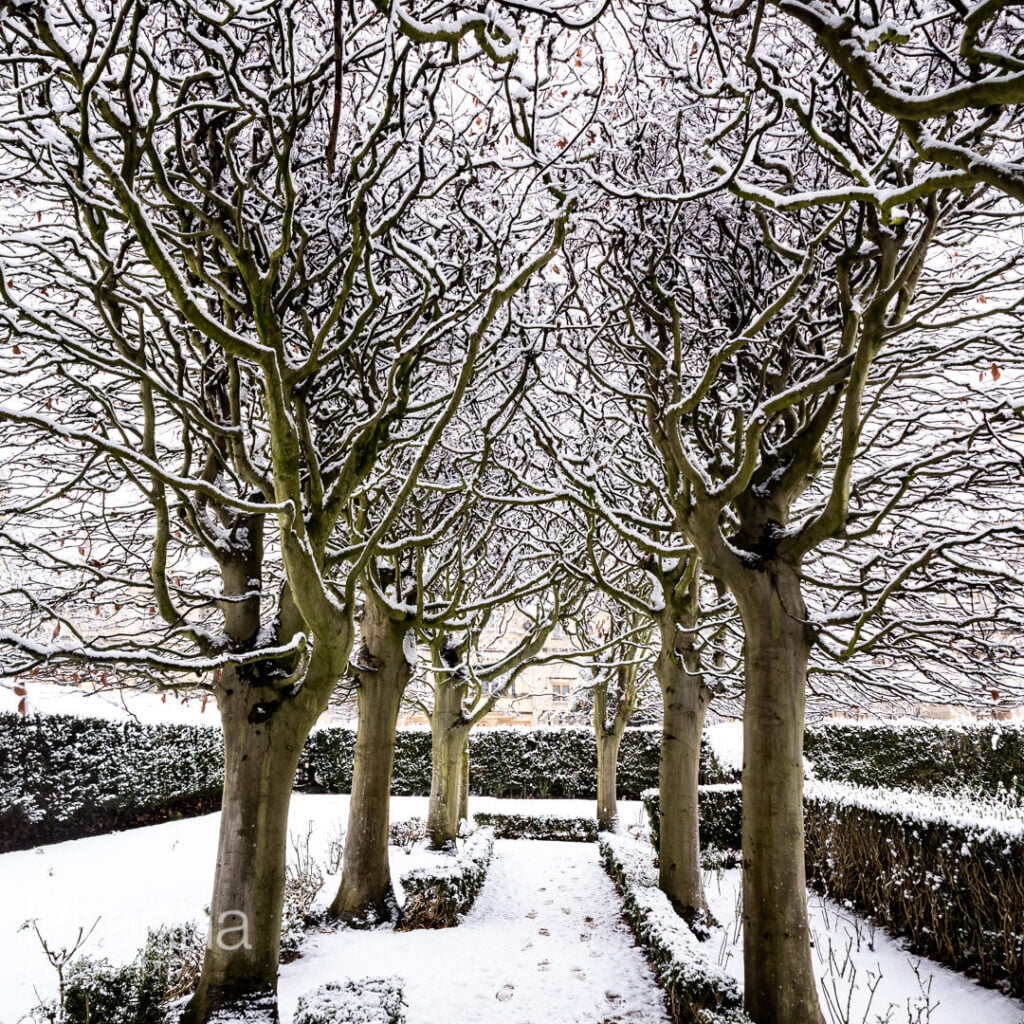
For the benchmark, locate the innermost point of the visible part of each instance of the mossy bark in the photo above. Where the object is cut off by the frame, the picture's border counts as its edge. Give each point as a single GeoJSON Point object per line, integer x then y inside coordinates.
{"type": "Point", "coordinates": [448, 771]}
{"type": "Point", "coordinates": [779, 980]}
{"type": "Point", "coordinates": [261, 751]}
{"type": "Point", "coordinates": [608, 744]}
{"type": "Point", "coordinates": [685, 699]}
{"type": "Point", "coordinates": [365, 894]}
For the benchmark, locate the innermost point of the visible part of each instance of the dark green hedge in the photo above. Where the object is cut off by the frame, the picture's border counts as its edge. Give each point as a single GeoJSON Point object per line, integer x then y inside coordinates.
{"type": "Point", "coordinates": [539, 826]}
{"type": "Point", "coordinates": [507, 762]}
{"type": "Point", "coordinates": [982, 757]}
{"type": "Point", "coordinates": [721, 814]}
{"type": "Point", "coordinates": [63, 776]}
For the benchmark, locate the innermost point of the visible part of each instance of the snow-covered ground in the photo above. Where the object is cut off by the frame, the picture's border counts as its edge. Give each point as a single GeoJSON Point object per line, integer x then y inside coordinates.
{"type": "Point", "coordinates": [544, 942]}
{"type": "Point", "coordinates": [525, 954]}
{"type": "Point", "coordinates": [864, 976]}
{"type": "Point", "coordinates": [163, 874]}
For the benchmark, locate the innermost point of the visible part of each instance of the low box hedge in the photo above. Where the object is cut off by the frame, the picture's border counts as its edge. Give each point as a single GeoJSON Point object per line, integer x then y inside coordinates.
{"type": "Point", "coordinates": [365, 1001]}
{"type": "Point", "coordinates": [539, 826]}
{"type": "Point", "coordinates": [942, 874]}
{"type": "Point", "coordinates": [697, 990]}
{"type": "Point", "coordinates": [437, 896]}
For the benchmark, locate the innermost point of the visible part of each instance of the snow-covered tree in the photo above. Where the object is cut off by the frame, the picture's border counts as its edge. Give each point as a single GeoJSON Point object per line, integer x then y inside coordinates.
{"type": "Point", "coordinates": [949, 78]}
{"type": "Point", "coordinates": [236, 321]}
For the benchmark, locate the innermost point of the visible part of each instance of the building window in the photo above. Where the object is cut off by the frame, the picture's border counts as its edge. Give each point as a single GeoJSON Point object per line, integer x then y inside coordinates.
{"type": "Point", "coordinates": [560, 691]}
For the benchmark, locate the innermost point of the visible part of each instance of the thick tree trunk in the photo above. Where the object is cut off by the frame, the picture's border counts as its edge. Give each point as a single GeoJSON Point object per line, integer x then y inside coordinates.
{"type": "Point", "coordinates": [365, 894]}
{"type": "Point", "coordinates": [684, 700]}
{"type": "Point", "coordinates": [607, 769]}
{"type": "Point", "coordinates": [779, 977]}
{"type": "Point", "coordinates": [261, 751]}
{"type": "Point", "coordinates": [449, 740]}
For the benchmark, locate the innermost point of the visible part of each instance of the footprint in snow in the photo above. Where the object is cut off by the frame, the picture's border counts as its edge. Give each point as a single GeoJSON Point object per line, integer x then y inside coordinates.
{"type": "Point", "coordinates": [505, 993]}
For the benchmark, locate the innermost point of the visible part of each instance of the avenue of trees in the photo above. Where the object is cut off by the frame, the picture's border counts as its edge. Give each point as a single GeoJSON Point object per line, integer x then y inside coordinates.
{"type": "Point", "coordinates": [331, 336]}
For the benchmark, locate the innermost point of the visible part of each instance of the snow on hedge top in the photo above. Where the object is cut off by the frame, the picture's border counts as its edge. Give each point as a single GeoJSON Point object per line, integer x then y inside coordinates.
{"type": "Point", "coordinates": [905, 724]}
{"type": "Point", "coordinates": [367, 1001]}
{"type": "Point", "coordinates": [473, 853]}
{"type": "Point", "coordinates": [726, 742]}
{"type": "Point", "coordinates": [690, 958]}
{"type": "Point", "coordinates": [965, 811]}
{"type": "Point", "coordinates": [116, 705]}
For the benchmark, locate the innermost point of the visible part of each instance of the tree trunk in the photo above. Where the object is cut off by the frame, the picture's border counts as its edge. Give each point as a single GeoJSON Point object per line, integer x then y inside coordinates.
{"type": "Point", "coordinates": [449, 739]}
{"type": "Point", "coordinates": [779, 977]}
{"type": "Point", "coordinates": [365, 895]}
{"type": "Point", "coordinates": [262, 744]}
{"type": "Point", "coordinates": [464, 783]}
{"type": "Point", "coordinates": [607, 768]}
{"type": "Point", "coordinates": [684, 701]}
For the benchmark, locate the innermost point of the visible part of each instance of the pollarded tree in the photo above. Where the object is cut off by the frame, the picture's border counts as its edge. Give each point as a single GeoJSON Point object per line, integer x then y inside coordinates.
{"type": "Point", "coordinates": [763, 335]}
{"type": "Point", "coordinates": [444, 563]}
{"type": "Point", "coordinates": [493, 592]}
{"type": "Point", "coordinates": [766, 354]}
{"type": "Point", "coordinates": [467, 681]}
{"type": "Point", "coordinates": [226, 363]}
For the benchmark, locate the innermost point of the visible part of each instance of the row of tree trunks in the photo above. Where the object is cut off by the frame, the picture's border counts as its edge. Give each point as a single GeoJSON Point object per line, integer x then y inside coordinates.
{"type": "Point", "coordinates": [262, 747]}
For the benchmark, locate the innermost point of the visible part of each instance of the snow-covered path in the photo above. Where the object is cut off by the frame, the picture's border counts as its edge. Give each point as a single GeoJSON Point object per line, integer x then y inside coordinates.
{"type": "Point", "coordinates": [544, 942]}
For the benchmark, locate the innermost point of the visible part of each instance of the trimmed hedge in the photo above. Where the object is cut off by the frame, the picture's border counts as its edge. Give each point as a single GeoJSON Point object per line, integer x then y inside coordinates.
{"type": "Point", "coordinates": [721, 814]}
{"type": "Point", "coordinates": [260, 1009]}
{"type": "Point", "coordinates": [437, 896]}
{"type": "Point", "coordinates": [366, 1001]}
{"type": "Point", "coordinates": [62, 777]}
{"type": "Point", "coordinates": [973, 757]}
{"type": "Point", "coordinates": [504, 762]}
{"type": "Point", "coordinates": [949, 882]}
{"type": "Point", "coordinates": [540, 826]}
{"type": "Point", "coordinates": [930, 870]}
{"type": "Point", "coordinates": [697, 990]}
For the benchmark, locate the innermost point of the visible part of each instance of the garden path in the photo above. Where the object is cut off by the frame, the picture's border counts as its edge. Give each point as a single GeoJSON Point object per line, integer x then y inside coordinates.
{"type": "Point", "coordinates": [544, 942]}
